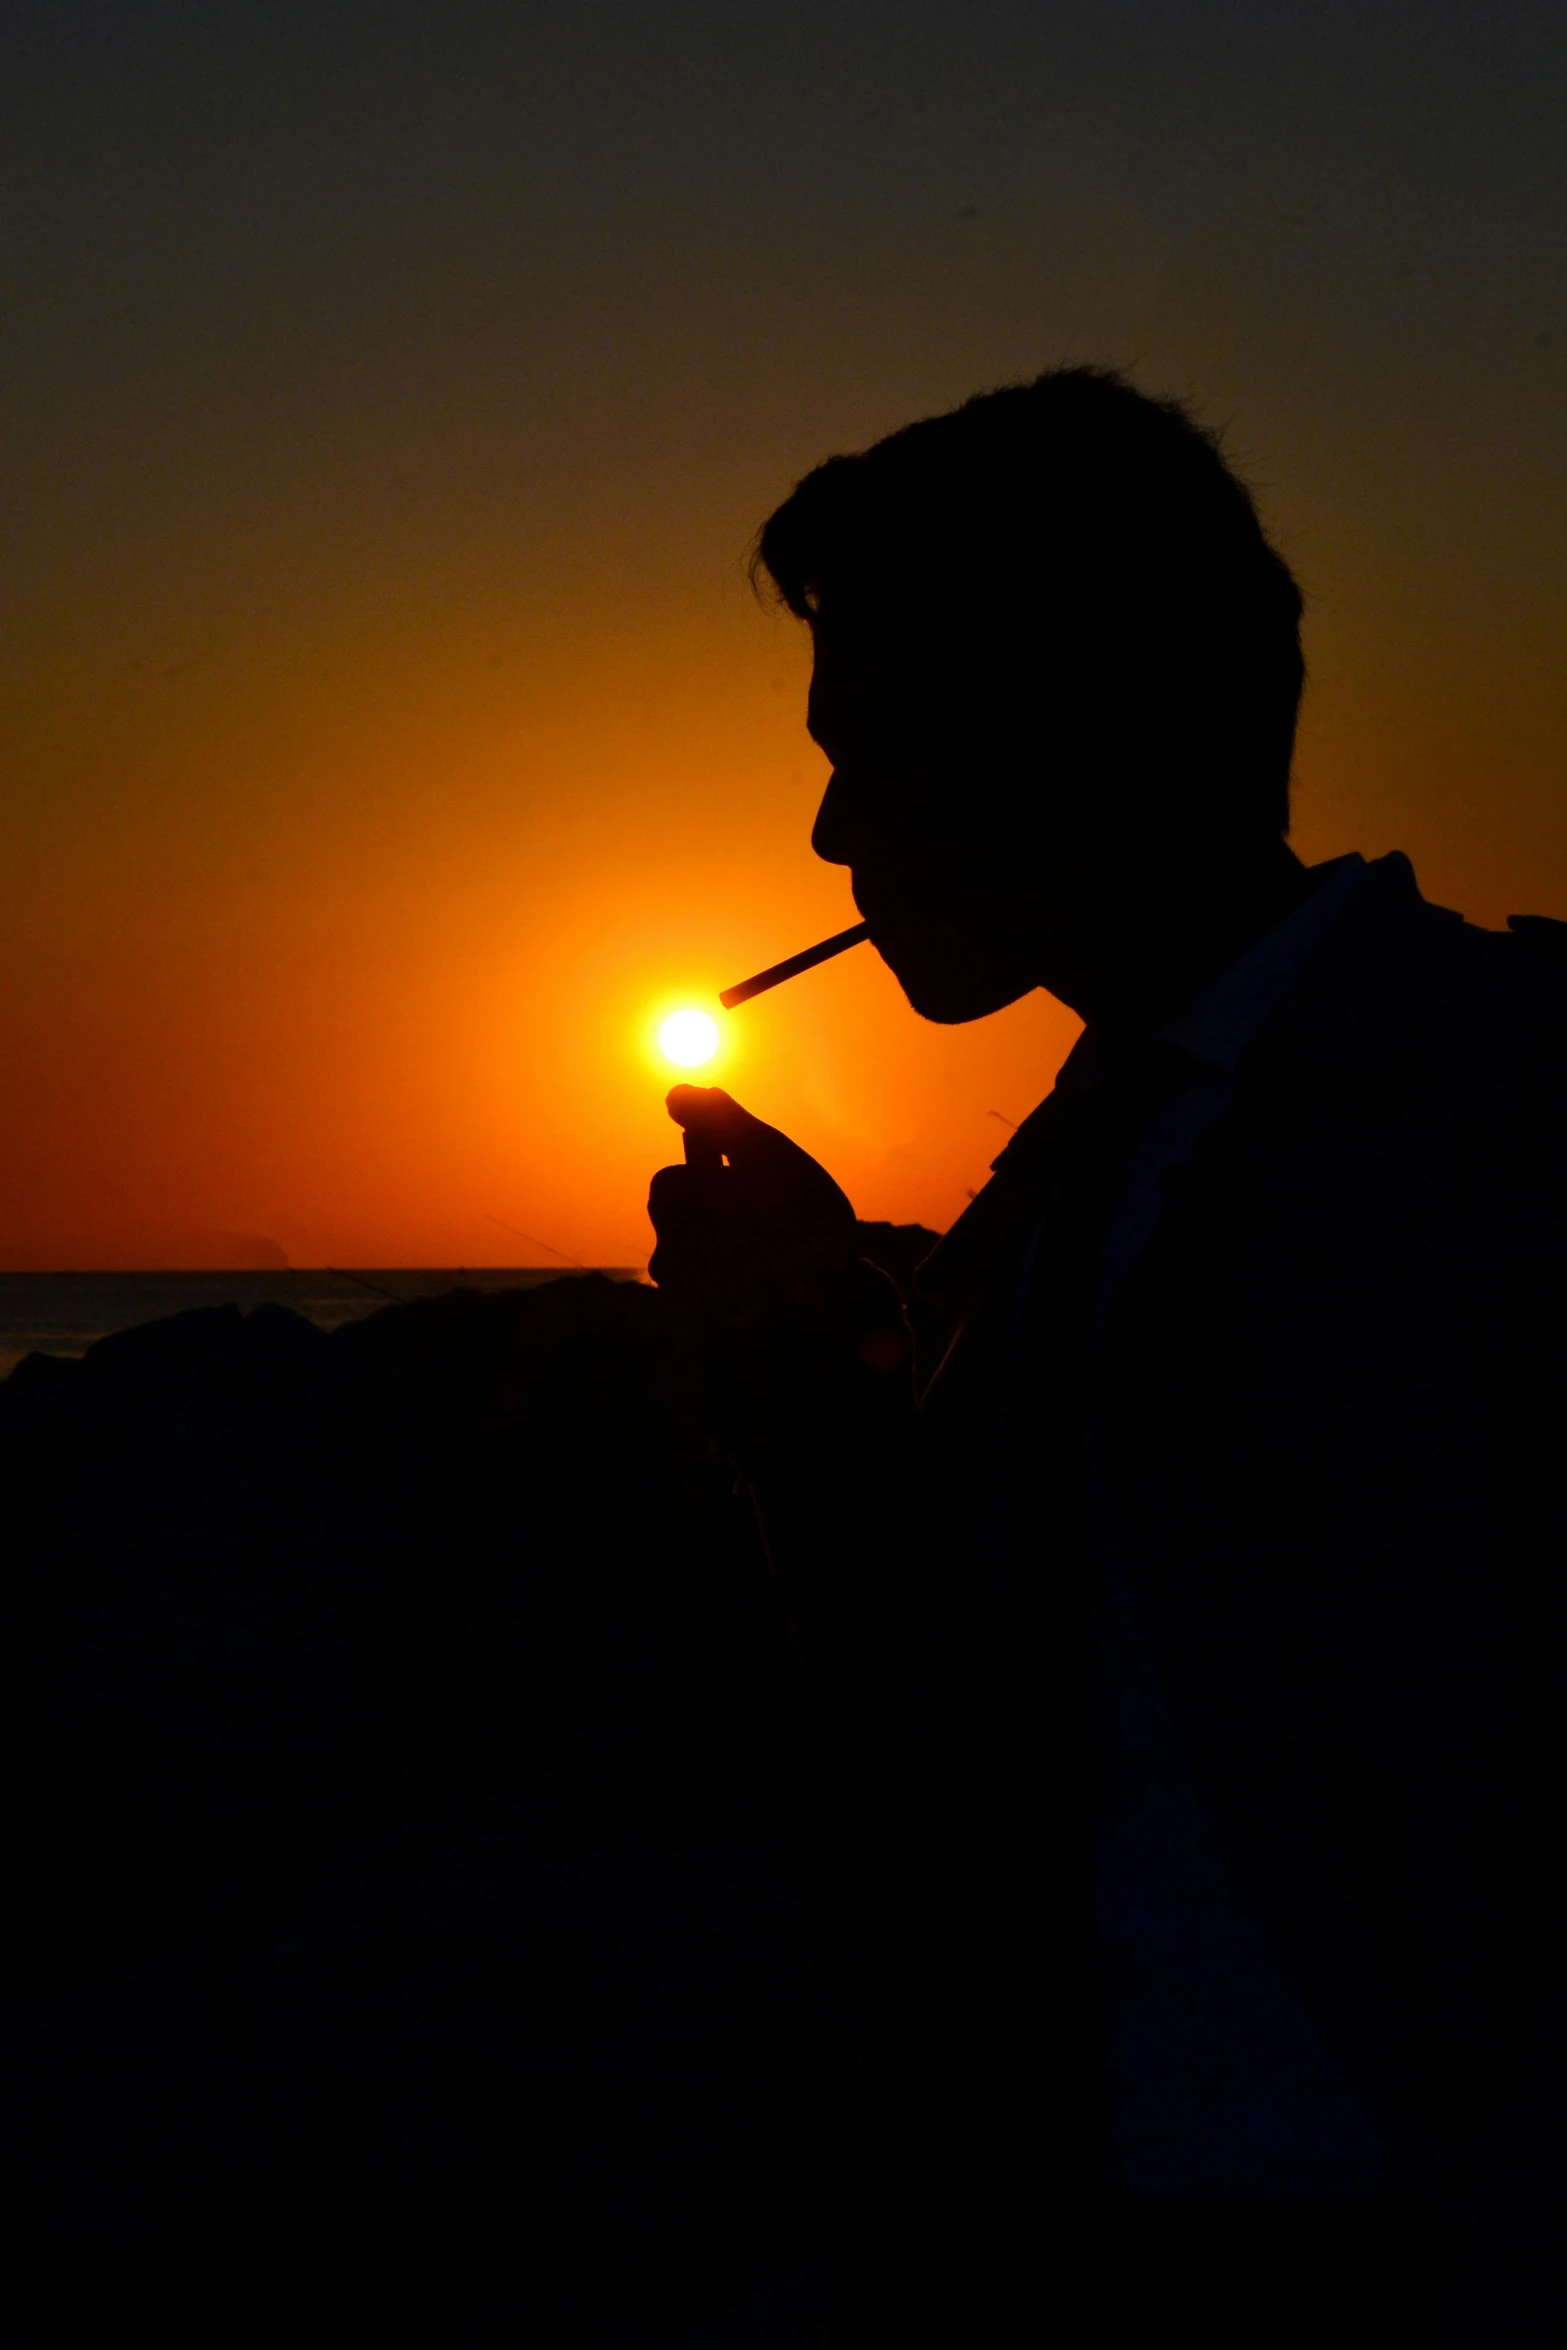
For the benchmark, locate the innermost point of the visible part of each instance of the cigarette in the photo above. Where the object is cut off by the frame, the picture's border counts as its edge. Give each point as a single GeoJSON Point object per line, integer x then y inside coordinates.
{"type": "Point", "coordinates": [806, 961]}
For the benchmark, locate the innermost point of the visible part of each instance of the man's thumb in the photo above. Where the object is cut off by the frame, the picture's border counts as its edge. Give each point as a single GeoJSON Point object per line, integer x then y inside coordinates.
{"type": "Point", "coordinates": [716, 1126]}
{"type": "Point", "coordinates": [713, 1118]}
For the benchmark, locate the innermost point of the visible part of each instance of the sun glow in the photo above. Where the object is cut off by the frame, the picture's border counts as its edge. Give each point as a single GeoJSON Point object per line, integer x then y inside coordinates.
{"type": "Point", "coordinates": [688, 1039]}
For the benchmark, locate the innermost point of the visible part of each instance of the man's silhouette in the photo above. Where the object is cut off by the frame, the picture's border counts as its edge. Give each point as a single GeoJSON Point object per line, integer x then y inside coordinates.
{"type": "Point", "coordinates": [1184, 1550]}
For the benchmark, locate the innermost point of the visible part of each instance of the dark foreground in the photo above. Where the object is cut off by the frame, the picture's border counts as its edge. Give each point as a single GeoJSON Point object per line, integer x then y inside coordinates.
{"type": "Point", "coordinates": [434, 1910]}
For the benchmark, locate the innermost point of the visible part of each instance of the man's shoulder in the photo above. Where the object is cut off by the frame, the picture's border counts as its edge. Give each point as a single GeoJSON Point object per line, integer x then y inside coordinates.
{"type": "Point", "coordinates": [1400, 979]}
{"type": "Point", "coordinates": [1544, 936]}
{"type": "Point", "coordinates": [1534, 958]}
{"type": "Point", "coordinates": [1501, 998]}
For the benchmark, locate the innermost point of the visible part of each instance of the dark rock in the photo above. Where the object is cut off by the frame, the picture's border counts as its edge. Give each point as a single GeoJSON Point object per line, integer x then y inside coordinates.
{"type": "Point", "coordinates": [429, 1889]}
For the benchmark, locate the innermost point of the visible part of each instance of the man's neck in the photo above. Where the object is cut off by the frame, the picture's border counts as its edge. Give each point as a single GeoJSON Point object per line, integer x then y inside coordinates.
{"type": "Point", "coordinates": [1193, 930]}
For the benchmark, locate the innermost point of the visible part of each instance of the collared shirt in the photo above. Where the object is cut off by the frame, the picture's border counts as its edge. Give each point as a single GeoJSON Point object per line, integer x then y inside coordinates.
{"type": "Point", "coordinates": [1221, 2082]}
{"type": "Point", "coordinates": [1215, 1030]}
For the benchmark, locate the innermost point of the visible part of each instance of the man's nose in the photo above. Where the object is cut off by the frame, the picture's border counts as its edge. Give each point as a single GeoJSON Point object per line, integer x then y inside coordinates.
{"type": "Point", "coordinates": [836, 830]}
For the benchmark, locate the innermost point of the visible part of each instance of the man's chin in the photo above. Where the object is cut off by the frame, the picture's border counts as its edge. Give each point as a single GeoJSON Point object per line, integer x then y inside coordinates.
{"type": "Point", "coordinates": [952, 998]}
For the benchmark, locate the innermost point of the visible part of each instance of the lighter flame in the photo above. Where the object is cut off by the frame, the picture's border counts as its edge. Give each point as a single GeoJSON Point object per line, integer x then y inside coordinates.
{"type": "Point", "coordinates": [688, 1039]}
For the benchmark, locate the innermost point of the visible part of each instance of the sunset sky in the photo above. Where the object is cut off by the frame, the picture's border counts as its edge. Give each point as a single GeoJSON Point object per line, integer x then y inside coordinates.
{"type": "Point", "coordinates": [390, 394]}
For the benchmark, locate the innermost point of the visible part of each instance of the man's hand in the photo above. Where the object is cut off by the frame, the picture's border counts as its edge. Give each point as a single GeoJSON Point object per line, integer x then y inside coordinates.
{"type": "Point", "coordinates": [735, 1236]}
{"type": "Point", "coordinates": [758, 1250]}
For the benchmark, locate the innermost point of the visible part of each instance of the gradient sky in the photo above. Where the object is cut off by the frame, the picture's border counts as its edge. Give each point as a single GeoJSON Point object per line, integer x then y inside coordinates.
{"type": "Point", "coordinates": [390, 393]}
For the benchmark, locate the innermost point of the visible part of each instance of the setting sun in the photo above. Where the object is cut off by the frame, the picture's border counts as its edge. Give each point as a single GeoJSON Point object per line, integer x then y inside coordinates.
{"type": "Point", "coordinates": [688, 1039]}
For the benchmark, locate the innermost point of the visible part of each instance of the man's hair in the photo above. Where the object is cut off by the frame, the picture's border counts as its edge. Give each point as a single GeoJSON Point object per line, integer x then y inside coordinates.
{"type": "Point", "coordinates": [1087, 553]}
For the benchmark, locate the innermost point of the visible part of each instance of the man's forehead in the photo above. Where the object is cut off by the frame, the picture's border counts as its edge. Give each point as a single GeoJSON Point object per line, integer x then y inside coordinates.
{"type": "Point", "coordinates": [864, 680]}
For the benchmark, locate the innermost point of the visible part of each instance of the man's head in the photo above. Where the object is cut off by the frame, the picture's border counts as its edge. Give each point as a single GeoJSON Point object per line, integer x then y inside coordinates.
{"type": "Point", "coordinates": [1057, 668]}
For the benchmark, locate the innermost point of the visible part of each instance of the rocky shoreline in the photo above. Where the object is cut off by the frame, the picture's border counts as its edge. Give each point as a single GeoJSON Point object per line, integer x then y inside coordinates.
{"type": "Point", "coordinates": [436, 1904]}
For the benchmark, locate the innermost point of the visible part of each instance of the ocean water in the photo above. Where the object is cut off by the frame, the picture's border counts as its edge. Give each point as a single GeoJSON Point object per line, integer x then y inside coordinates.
{"type": "Point", "coordinates": [62, 1313]}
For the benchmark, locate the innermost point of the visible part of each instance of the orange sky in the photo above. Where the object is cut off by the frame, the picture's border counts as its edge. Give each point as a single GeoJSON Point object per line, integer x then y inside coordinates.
{"type": "Point", "coordinates": [389, 733]}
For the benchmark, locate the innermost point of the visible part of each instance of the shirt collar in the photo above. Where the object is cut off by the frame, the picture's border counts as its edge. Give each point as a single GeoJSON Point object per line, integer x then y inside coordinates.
{"type": "Point", "coordinates": [1228, 1014]}
{"type": "Point", "coordinates": [1362, 997]}
{"type": "Point", "coordinates": [1233, 1009]}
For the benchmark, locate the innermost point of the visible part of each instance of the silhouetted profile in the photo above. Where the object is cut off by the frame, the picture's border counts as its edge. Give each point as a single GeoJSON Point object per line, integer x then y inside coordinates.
{"type": "Point", "coordinates": [1182, 1550]}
